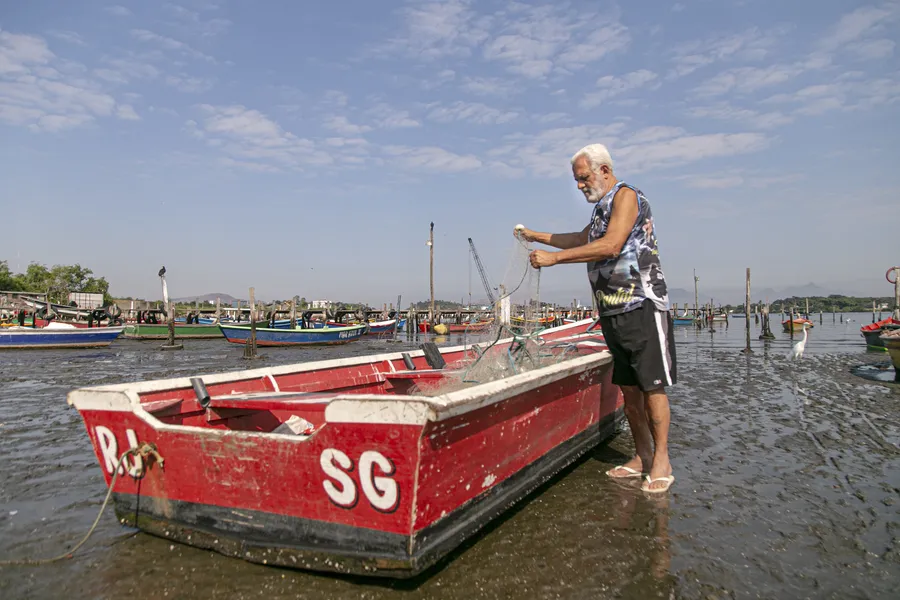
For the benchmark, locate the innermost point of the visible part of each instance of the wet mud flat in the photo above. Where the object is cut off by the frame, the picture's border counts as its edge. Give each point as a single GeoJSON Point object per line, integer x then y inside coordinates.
{"type": "Point", "coordinates": [787, 486]}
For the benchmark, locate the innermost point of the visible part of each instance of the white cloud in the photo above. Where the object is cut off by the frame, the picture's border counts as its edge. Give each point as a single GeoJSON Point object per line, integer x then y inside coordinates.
{"type": "Point", "coordinates": [432, 158]}
{"type": "Point", "coordinates": [191, 22]}
{"type": "Point", "coordinates": [860, 23]}
{"type": "Point", "coordinates": [40, 91]}
{"type": "Point", "coordinates": [547, 153]}
{"type": "Point", "coordinates": [438, 29]}
{"type": "Point", "coordinates": [67, 36]}
{"type": "Point", "coordinates": [119, 11]}
{"type": "Point", "coordinates": [736, 179]}
{"type": "Point", "coordinates": [532, 41]}
{"type": "Point", "coordinates": [168, 43]}
{"type": "Point", "coordinates": [126, 112]}
{"type": "Point", "coordinates": [685, 149]}
{"type": "Point", "coordinates": [343, 125]}
{"type": "Point", "coordinates": [387, 117]}
{"type": "Point", "coordinates": [752, 44]}
{"type": "Point", "coordinates": [542, 38]}
{"type": "Point", "coordinates": [336, 98]}
{"type": "Point", "coordinates": [248, 165]}
{"type": "Point", "coordinates": [726, 112]}
{"type": "Point", "coordinates": [18, 53]}
{"type": "Point", "coordinates": [126, 69]}
{"type": "Point", "coordinates": [189, 84]}
{"type": "Point", "coordinates": [749, 79]}
{"type": "Point", "coordinates": [473, 112]}
{"type": "Point", "coordinates": [488, 86]}
{"type": "Point", "coordinates": [713, 182]}
{"type": "Point", "coordinates": [609, 87]}
{"type": "Point", "coordinates": [873, 49]}
{"type": "Point", "coordinates": [245, 134]}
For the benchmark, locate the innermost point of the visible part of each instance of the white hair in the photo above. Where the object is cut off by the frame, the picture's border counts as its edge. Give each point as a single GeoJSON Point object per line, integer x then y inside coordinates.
{"type": "Point", "coordinates": [597, 155]}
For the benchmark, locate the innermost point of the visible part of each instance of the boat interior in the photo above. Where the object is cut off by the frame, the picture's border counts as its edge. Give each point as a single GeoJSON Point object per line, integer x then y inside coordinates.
{"type": "Point", "coordinates": [264, 403]}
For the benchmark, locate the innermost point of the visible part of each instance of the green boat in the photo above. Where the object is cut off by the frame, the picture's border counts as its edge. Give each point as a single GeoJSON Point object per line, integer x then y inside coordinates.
{"type": "Point", "coordinates": [149, 331]}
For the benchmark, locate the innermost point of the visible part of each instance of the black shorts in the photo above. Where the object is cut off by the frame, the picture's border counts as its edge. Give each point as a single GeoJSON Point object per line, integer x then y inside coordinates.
{"type": "Point", "coordinates": [642, 346]}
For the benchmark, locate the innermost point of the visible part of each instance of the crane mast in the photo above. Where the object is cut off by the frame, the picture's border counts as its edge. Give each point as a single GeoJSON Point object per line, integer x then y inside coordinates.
{"type": "Point", "coordinates": [481, 271]}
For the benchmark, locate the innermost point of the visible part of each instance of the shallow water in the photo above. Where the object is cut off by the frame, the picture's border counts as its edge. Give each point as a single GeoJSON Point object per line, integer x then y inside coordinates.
{"type": "Point", "coordinates": [787, 486]}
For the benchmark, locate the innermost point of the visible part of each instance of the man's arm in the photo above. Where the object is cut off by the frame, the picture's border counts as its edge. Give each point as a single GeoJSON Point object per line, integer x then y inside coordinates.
{"type": "Point", "coordinates": [621, 222]}
{"type": "Point", "coordinates": [558, 240]}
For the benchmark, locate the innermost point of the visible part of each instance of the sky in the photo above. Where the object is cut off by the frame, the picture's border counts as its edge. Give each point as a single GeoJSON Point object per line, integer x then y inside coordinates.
{"type": "Point", "coordinates": [303, 148]}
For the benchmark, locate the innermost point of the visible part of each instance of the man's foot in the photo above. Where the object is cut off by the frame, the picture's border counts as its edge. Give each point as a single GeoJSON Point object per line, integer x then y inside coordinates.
{"type": "Point", "coordinates": [659, 485]}
{"type": "Point", "coordinates": [660, 477]}
{"type": "Point", "coordinates": [633, 468]}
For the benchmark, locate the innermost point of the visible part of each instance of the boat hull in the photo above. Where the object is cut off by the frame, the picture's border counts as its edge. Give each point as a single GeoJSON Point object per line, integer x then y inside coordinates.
{"type": "Point", "coordinates": [26, 337]}
{"type": "Point", "coordinates": [381, 484]}
{"type": "Point", "coordinates": [796, 325]}
{"type": "Point", "coordinates": [873, 332]}
{"type": "Point", "coordinates": [326, 336]}
{"type": "Point", "coordinates": [680, 321]}
{"type": "Point", "coordinates": [150, 331]}
{"type": "Point", "coordinates": [891, 343]}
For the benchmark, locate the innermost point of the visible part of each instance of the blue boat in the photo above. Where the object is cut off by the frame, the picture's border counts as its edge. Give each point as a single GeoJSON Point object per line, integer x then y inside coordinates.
{"type": "Point", "coordinates": [683, 320]}
{"type": "Point", "coordinates": [58, 335]}
{"type": "Point", "coordinates": [267, 336]}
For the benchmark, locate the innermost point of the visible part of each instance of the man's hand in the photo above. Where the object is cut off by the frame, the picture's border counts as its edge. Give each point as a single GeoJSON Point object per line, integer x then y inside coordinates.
{"type": "Point", "coordinates": [525, 234]}
{"type": "Point", "coordinates": [542, 258]}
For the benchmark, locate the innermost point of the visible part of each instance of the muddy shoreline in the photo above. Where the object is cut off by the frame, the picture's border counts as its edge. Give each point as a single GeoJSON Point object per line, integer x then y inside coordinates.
{"type": "Point", "coordinates": [787, 486]}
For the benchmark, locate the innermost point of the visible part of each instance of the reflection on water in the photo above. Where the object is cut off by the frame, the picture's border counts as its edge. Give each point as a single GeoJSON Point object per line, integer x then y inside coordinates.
{"type": "Point", "coordinates": [787, 486]}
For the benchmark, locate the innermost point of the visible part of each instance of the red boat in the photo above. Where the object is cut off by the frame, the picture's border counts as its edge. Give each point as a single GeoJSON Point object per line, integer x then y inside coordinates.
{"type": "Point", "coordinates": [357, 465]}
{"type": "Point", "coordinates": [873, 332]}
{"type": "Point", "coordinates": [477, 327]}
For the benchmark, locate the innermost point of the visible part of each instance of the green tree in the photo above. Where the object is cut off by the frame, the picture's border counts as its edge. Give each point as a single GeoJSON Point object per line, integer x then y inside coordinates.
{"type": "Point", "coordinates": [8, 281]}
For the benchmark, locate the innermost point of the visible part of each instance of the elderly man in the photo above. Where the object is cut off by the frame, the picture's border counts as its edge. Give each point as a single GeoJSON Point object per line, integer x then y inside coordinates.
{"type": "Point", "coordinates": [619, 247]}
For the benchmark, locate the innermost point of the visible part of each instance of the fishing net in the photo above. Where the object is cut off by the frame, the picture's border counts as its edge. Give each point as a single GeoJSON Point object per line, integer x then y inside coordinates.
{"type": "Point", "coordinates": [517, 317]}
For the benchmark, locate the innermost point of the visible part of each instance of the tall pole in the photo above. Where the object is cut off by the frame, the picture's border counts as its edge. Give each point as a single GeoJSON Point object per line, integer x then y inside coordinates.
{"type": "Point", "coordinates": [747, 350]}
{"type": "Point", "coordinates": [896, 314]}
{"type": "Point", "coordinates": [696, 297]}
{"type": "Point", "coordinates": [431, 269]}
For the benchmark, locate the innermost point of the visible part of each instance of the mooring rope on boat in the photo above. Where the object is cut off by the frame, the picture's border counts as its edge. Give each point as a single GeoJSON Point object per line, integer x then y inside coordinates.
{"type": "Point", "coordinates": [144, 451]}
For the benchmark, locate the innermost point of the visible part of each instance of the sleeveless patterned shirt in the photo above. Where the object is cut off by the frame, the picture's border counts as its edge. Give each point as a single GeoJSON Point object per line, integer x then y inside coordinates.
{"type": "Point", "coordinates": [622, 284]}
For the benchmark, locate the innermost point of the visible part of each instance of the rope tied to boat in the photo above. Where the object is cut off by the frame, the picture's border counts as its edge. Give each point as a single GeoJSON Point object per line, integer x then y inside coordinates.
{"type": "Point", "coordinates": [144, 451]}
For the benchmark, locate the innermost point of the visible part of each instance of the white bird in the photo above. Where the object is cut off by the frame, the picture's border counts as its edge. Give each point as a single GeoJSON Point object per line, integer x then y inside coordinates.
{"type": "Point", "coordinates": [799, 347]}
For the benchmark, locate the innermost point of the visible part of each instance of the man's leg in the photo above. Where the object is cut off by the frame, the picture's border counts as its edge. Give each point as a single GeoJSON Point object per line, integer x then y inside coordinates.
{"type": "Point", "coordinates": [640, 430]}
{"type": "Point", "coordinates": [658, 419]}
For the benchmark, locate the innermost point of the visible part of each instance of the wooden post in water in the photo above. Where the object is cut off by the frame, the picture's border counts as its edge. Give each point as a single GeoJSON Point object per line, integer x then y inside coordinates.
{"type": "Point", "coordinates": [820, 316]}
{"type": "Point", "coordinates": [250, 345]}
{"type": "Point", "coordinates": [747, 349]}
{"type": "Point", "coordinates": [294, 312]}
{"type": "Point", "coordinates": [766, 330]}
{"type": "Point", "coordinates": [807, 308]}
{"type": "Point", "coordinates": [896, 313]}
{"type": "Point", "coordinates": [431, 267]}
{"type": "Point", "coordinates": [218, 308]}
{"type": "Point", "coordinates": [697, 319]}
{"type": "Point", "coordinates": [171, 322]}
{"type": "Point", "coordinates": [873, 311]}
{"type": "Point", "coordinates": [833, 315]}
{"type": "Point", "coordinates": [791, 325]}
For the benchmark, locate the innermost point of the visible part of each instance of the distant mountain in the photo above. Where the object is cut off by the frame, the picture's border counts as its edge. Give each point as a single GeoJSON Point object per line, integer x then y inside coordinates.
{"type": "Point", "coordinates": [226, 299]}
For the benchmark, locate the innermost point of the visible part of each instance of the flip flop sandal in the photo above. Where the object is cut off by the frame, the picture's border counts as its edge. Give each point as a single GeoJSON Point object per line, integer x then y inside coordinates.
{"type": "Point", "coordinates": [631, 472]}
{"type": "Point", "coordinates": [646, 487]}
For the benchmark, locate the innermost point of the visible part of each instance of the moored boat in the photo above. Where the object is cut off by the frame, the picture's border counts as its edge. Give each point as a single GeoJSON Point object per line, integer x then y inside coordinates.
{"type": "Point", "coordinates": [57, 335]}
{"type": "Point", "coordinates": [797, 325]}
{"type": "Point", "coordinates": [160, 331]}
{"type": "Point", "coordinates": [891, 342]}
{"type": "Point", "coordinates": [873, 332]}
{"type": "Point", "coordinates": [359, 465]}
{"type": "Point", "coordinates": [267, 336]}
{"type": "Point", "coordinates": [380, 327]}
